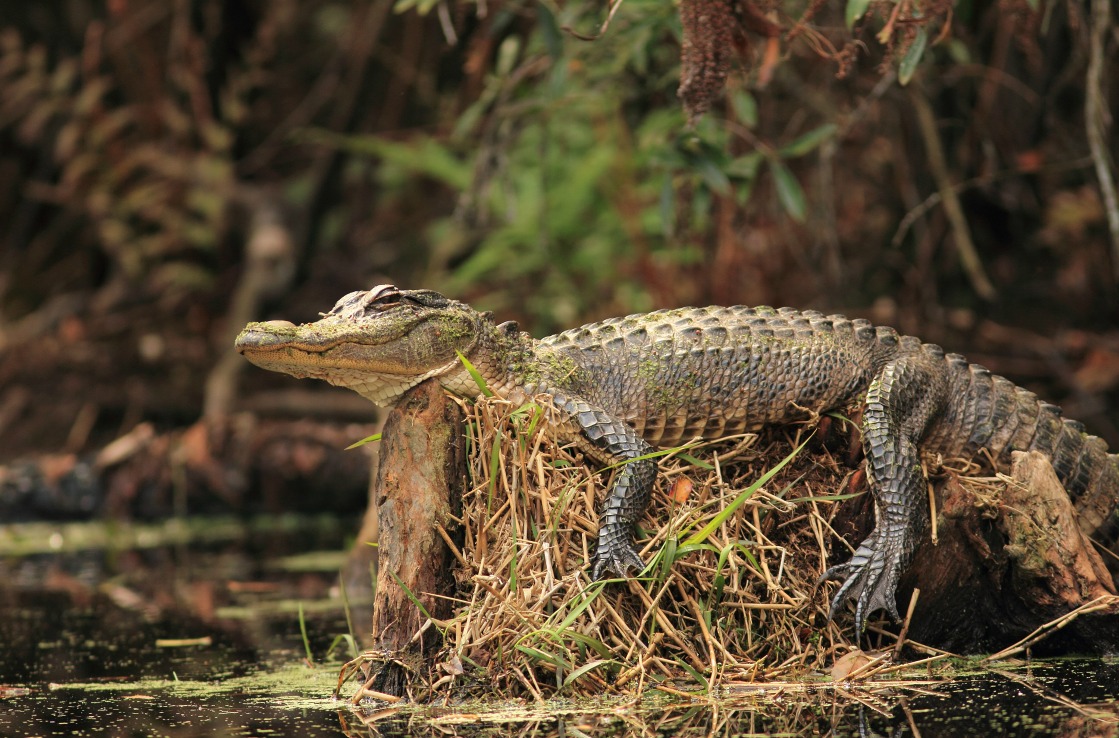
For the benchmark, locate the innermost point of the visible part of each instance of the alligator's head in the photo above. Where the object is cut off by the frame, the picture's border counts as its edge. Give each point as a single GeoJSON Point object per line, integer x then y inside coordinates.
{"type": "Point", "coordinates": [378, 343]}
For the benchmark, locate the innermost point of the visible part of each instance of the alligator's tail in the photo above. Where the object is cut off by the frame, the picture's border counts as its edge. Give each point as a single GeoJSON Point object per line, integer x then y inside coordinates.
{"type": "Point", "coordinates": [997, 415]}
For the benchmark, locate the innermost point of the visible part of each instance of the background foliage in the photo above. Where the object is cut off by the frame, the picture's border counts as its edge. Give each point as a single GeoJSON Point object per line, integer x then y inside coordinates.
{"type": "Point", "coordinates": [489, 150]}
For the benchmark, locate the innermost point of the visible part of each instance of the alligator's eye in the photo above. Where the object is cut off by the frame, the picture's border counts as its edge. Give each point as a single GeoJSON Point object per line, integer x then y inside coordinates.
{"type": "Point", "coordinates": [381, 296]}
{"type": "Point", "coordinates": [428, 298]}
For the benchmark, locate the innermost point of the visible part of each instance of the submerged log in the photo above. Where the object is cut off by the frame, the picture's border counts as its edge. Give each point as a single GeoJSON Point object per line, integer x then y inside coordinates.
{"type": "Point", "coordinates": [418, 489]}
{"type": "Point", "coordinates": [217, 466]}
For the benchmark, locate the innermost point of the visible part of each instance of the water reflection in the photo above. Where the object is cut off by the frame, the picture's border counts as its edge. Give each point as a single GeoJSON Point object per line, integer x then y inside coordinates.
{"type": "Point", "coordinates": [92, 644]}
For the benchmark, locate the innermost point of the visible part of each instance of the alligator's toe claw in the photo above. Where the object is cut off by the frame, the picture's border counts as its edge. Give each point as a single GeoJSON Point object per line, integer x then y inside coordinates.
{"type": "Point", "coordinates": [618, 559]}
{"type": "Point", "coordinates": [870, 579]}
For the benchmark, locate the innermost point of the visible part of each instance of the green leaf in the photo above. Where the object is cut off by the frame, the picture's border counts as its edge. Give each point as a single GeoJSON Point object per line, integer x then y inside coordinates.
{"type": "Point", "coordinates": [808, 141]}
{"type": "Point", "coordinates": [855, 10]}
{"type": "Point", "coordinates": [423, 7]}
{"type": "Point", "coordinates": [507, 54]}
{"type": "Point", "coordinates": [842, 418]}
{"type": "Point", "coordinates": [908, 65]}
{"type": "Point", "coordinates": [745, 107]}
{"type": "Point", "coordinates": [651, 455]}
{"type": "Point", "coordinates": [537, 415]}
{"type": "Point", "coordinates": [408, 593]}
{"type": "Point", "coordinates": [668, 558]}
{"type": "Point", "coordinates": [958, 51]}
{"type": "Point", "coordinates": [419, 154]}
{"type": "Point", "coordinates": [303, 631]}
{"type": "Point", "coordinates": [715, 177]}
{"type": "Point", "coordinates": [589, 595]}
{"type": "Point", "coordinates": [550, 31]}
{"type": "Point", "coordinates": [495, 463]}
{"type": "Point", "coordinates": [362, 442]}
{"type": "Point", "coordinates": [745, 166]}
{"type": "Point", "coordinates": [586, 641]}
{"type": "Point", "coordinates": [788, 191]}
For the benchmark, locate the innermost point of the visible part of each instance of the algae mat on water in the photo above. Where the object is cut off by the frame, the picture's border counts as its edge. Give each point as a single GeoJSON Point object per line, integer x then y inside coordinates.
{"type": "Point", "coordinates": [1073, 697]}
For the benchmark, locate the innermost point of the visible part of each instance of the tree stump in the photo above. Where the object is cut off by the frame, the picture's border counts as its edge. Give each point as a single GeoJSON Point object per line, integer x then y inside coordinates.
{"type": "Point", "coordinates": [1006, 564]}
{"type": "Point", "coordinates": [418, 489]}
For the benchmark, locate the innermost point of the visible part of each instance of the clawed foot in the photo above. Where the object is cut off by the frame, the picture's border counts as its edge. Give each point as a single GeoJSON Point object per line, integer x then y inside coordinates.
{"type": "Point", "coordinates": [615, 554]}
{"type": "Point", "coordinates": [870, 578]}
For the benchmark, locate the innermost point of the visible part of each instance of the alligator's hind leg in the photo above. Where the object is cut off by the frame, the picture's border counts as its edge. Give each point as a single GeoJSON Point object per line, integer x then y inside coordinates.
{"type": "Point", "coordinates": [900, 403]}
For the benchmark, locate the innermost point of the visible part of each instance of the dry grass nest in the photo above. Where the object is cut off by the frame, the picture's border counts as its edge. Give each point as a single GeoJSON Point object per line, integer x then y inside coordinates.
{"type": "Point", "coordinates": [737, 534]}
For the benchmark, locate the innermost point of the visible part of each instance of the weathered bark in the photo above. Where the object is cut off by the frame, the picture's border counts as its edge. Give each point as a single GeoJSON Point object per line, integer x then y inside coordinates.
{"type": "Point", "coordinates": [1007, 564]}
{"type": "Point", "coordinates": [419, 486]}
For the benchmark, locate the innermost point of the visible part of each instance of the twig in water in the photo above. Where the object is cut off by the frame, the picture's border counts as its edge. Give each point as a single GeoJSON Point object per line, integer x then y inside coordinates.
{"type": "Point", "coordinates": [1102, 602]}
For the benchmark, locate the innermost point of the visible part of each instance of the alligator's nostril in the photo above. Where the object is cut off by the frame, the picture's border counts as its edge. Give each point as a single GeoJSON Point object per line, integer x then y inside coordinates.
{"type": "Point", "coordinates": [262, 335]}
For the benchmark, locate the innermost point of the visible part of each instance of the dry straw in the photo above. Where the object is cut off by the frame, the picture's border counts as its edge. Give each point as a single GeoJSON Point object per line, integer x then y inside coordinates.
{"type": "Point", "coordinates": [737, 534]}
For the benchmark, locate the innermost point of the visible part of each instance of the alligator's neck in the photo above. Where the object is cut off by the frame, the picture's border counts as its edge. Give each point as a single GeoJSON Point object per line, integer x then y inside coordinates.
{"type": "Point", "coordinates": [504, 358]}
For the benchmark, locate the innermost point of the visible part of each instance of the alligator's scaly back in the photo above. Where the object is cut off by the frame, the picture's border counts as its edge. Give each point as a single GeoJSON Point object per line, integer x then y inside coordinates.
{"type": "Point", "coordinates": [679, 374]}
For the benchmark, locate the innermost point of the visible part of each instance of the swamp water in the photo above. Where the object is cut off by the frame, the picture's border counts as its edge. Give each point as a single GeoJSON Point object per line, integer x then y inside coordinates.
{"type": "Point", "coordinates": [195, 629]}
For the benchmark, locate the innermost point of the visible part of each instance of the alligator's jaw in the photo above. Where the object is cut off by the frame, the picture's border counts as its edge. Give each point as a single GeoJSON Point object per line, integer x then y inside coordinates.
{"type": "Point", "coordinates": [335, 354]}
{"type": "Point", "coordinates": [375, 381]}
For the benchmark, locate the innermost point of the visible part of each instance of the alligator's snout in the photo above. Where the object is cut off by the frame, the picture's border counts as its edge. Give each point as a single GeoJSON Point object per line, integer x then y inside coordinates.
{"type": "Point", "coordinates": [265, 335]}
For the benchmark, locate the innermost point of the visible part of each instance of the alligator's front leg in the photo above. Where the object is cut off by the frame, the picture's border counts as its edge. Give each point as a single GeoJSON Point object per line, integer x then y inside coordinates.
{"type": "Point", "coordinates": [900, 403]}
{"type": "Point", "coordinates": [610, 441]}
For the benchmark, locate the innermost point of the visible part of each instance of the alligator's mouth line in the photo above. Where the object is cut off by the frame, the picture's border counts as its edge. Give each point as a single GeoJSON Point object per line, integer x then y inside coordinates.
{"type": "Point", "coordinates": [310, 349]}
{"type": "Point", "coordinates": [317, 361]}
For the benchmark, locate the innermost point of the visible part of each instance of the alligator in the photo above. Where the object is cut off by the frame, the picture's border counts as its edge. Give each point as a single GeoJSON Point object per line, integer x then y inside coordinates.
{"type": "Point", "coordinates": [620, 387]}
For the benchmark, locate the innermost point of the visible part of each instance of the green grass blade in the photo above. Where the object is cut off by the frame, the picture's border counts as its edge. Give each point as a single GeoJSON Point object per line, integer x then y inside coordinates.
{"type": "Point", "coordinates": [346, 608]}
{"type": "Point", "coordinates": [701, 535]}
{"type": "Point", "coordinates": [589, 666]}
{"type": "Point", "coordinates": [303, 630]}
{"type": "Point", "coordinates": [651, 455]}
{"type": "Point", "coordinates": [475, 375]}
{"type": "Point", "coordinates": [537, 414]}
{"type": "Point", "coordinates": [586, 598]}
{"type": "Point", "coordinates": [592, 643]}
{"type": "Point", "coordinates": [547, 658]}
{"type": "Point", "coordinates": [908, 66]}
{"type": "Point", "coordinates": [408, 593]}
{"type": "Point", "coordinates": [669, 555]}
{"type": "Point", "coordinates": [362, 442]}
{"type": "Point", "coordinates": [495, 462]}
{"type": "Point", "coordinates": [855, 9]}
{"type": "Point", "coordinates": [700, 679]}
{"type": "Point", "coordinates": [342, 638]}
{"type": "Point", "coordinates": [697, 462]}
